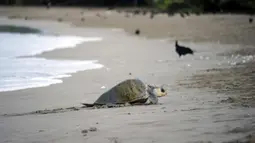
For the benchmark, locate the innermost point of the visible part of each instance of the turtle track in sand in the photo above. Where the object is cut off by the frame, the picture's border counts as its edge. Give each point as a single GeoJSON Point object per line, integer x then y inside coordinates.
{"type": "Point", "coordinates": [71, 109]}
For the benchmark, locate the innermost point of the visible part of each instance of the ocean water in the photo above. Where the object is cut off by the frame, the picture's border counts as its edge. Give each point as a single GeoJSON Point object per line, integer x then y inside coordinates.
{"type": "Point", "coordinates": [20, 72]}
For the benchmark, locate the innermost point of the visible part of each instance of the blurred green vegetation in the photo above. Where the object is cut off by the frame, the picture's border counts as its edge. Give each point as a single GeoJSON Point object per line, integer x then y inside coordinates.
{"type": "Point", "coordinates": [204, 6]}
{"type": "Point", "coordinates": [170, 6]}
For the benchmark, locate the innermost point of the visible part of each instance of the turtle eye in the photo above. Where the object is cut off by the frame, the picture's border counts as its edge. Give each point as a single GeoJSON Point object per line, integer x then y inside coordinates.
{"type": "Point", "coordinates": [162, 90]}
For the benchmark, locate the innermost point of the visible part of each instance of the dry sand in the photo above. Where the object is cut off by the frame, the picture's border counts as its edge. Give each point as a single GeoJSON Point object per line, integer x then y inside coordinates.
{"type": "Point", "coordinates": [225, 28]}
{"type": "Point", "coordinates": [194, 114]}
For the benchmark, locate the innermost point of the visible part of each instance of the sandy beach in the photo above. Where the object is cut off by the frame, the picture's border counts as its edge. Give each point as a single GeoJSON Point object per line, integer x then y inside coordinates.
{"type": "Point", "coordinates": [199, 86]}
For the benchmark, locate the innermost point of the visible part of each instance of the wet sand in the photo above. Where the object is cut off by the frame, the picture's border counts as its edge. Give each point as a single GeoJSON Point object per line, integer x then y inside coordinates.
{"type": "Point", "coordinates": [193, 114]}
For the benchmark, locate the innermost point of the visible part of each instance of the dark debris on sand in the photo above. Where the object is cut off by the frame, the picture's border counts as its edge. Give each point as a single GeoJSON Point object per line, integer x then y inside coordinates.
{"type": "Point", "coordinates": [237, 82]}
{"type": "Point", "coordinates": [247, 139]}
{"type": "Point", "coordinates": [85, 132]}
{"type": "Point", "coordinates": [60, 19]}
{"type": "Point", "coordinates": [92, 129]}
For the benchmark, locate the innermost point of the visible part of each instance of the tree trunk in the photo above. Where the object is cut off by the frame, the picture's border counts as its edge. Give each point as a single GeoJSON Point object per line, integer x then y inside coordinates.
{"type": "Point", "coordinates": [7, 2]}
{"type": "Point", "coordinates": [135, 3]}
{"type": "Point", "coordinates": [19, 2]}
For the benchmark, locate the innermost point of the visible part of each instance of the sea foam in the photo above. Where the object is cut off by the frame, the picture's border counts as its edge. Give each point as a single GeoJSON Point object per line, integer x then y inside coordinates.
{"type": "Point", "coordinates": [21, 73]}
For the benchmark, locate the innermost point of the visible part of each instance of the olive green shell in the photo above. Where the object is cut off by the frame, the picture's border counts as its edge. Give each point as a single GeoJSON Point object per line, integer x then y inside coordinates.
{"type": "Point", "coordinates": [128, 91]}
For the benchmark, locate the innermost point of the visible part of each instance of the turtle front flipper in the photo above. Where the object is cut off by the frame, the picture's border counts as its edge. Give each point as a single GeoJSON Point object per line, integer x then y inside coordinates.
{"type": "Point", "coordinates": [154, 93]}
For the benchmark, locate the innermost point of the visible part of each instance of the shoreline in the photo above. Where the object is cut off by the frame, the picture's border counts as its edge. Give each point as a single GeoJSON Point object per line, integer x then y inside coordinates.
{"type": "Point", "coordinates": [153, 61]}
{"type": "Point", "coordinates": [46, 77]}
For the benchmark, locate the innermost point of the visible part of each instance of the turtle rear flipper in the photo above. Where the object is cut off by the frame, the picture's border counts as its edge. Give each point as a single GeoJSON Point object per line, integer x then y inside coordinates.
{"type": "Point", "coordinates": [98, 105]}
{"type": "Point", "coordinates": [88, 104]}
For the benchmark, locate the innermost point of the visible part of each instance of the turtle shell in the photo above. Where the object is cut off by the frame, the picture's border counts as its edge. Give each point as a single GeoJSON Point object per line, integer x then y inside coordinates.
{"type": "Point", "coordinates": [128, 91]}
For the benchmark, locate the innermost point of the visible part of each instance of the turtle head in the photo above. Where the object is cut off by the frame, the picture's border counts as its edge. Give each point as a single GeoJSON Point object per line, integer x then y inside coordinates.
{"type": "Point", "coordinates": [157, 91]}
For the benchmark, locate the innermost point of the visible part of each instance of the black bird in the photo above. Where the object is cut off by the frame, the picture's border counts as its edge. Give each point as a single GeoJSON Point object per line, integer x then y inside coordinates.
{"type": "Point", "coordinates": [137, 31]}
{"type": "Point", "coordinates": [181, 50]}
{"type": "Point", "coordinates": [250, 20]}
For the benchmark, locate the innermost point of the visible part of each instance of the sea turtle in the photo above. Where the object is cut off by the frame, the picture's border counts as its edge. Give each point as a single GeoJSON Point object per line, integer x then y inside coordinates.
{"type": "Point", "coordinates": [130, 91]}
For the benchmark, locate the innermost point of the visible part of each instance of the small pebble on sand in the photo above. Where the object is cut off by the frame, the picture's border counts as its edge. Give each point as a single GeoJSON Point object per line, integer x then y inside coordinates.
{"type": "Point", "coordinates": [98, 15]}
{"type": "Point", "coordinates": [60, 19]}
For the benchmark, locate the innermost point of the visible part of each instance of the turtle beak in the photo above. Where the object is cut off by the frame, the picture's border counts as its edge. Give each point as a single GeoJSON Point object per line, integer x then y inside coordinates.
{"type": "Point", "coordinates": [161, 92]}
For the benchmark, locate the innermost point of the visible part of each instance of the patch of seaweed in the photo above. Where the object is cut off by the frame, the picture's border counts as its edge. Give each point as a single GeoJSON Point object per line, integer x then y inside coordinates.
{"type": "Point", "coordinates": [18, 29]}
